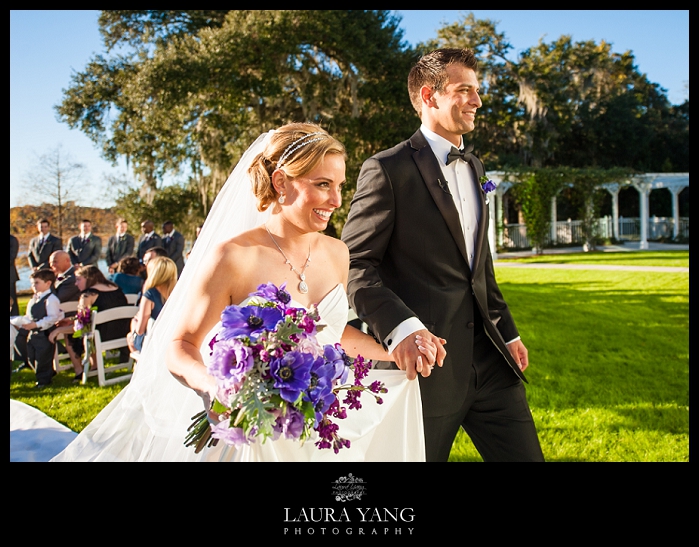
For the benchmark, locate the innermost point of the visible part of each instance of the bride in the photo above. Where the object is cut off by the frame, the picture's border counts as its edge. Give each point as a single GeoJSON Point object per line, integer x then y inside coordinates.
{"type": "Point", "coordinates": [265, 226]}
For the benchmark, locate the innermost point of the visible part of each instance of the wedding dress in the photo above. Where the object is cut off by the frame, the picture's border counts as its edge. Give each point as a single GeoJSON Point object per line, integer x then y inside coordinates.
{"type": "Point", "coordinates": [148, 419]}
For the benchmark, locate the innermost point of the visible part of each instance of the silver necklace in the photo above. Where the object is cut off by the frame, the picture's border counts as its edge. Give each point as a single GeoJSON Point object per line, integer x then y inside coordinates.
{"type": "Point", "coordinates": [303, 288]}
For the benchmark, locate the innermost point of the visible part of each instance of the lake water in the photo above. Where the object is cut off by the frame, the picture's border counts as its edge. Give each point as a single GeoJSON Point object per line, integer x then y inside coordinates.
{"type": "Point", "coordinates": [24, 272]}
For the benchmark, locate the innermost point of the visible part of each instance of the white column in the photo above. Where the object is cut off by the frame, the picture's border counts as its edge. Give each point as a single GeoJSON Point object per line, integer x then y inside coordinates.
{"type": "Point", "coordinates": [499, 192]}
{"type": "Point", "coordinates": [491, 227]}
{"type": "Point", "coordinates": [615, 213]}
{"type": "Point", "coordinates": [675, 211]}
{"type": "Point", "coordinates": [643, 192]}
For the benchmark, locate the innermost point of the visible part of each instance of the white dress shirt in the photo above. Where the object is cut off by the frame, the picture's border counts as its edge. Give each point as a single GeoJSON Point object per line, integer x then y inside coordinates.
{"type": "Point", "coordinates": [54, 312]}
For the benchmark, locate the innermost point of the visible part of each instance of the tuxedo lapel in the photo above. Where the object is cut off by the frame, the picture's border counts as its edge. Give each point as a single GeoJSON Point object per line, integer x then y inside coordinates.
{"type": "Point", "coordinates": [479, 171]}
{"type": "Point", "coordinates": [437, 185]}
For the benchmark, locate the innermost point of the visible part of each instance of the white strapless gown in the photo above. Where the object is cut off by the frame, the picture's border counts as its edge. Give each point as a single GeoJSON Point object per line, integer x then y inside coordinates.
{"type": "Point", "coordinates": [128, 429]}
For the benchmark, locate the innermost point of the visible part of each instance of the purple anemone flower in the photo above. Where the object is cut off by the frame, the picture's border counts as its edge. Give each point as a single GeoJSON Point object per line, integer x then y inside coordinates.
{"type": "Point", "coordinates": [250, 321]}
{"type": "Point", "coordinates": [337, 359]}
{"type": "Point", "coordinates": [292, 373]}
{"type": "Point", "coordinates": [320, 390]}
{"type": "Point", "coordinates": [230, 435]}
{"type": "Point", "coordinates": [290, 424]}
{"type": "Point", "coordinates": [272, 293]}
{"type": "Point", "coordinates": [231, 360]}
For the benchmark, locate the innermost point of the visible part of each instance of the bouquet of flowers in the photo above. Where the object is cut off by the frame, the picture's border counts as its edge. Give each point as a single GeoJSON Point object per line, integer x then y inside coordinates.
{"type": "Point", "coordinates": [274, 378]}
{"type": "Point", "coordinates": [82, 321]}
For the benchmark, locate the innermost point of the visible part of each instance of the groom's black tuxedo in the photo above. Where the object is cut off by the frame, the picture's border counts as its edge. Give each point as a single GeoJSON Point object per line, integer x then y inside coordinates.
{"type": "Point", "coordinates": [408, 258]}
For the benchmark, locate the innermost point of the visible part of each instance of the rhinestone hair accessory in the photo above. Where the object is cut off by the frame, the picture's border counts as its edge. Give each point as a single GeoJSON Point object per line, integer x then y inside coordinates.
{"type": "Point", "coordinates": [299, 143]}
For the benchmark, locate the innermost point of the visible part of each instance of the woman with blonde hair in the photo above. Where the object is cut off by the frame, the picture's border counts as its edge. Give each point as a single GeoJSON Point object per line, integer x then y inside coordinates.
{"type": "Point", "coordinates": [157, 288]}
{"type": "Point", "coordinates": [266, 226]}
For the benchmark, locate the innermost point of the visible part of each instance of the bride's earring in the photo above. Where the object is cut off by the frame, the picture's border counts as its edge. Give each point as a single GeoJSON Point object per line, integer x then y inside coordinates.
{"type": "Point", "coordinates": [282, 198]}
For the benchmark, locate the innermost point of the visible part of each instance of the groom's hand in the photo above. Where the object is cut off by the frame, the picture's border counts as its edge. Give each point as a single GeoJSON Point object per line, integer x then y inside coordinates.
{"type": "Point", "coordinates": [409, 357]}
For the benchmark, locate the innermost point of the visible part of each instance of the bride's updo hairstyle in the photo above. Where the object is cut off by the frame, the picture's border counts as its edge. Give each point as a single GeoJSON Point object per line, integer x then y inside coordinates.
{"type": "Point", "coordinates": [296, 149]}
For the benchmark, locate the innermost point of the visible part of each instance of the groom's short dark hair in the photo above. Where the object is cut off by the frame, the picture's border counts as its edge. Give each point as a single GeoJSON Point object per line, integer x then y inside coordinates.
{"type": "Point", "coordinates": [431, 70]}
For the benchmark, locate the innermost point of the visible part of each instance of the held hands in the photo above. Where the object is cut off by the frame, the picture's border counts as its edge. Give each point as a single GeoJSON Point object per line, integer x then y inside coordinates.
{"type": "Point", "coordinates": [419, 352]}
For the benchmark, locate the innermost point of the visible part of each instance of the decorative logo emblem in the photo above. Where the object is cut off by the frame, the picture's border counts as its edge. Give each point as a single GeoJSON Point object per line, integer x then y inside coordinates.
{"type": "Point", "coordinates": [348, 488]}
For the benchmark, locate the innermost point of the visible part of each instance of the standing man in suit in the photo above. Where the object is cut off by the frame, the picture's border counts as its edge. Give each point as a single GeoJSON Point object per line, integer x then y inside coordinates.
{"type": "Point", "coordinates": [148, 239]}
{"type": "Point", "coordinates": [41, 247]}
{"type": "Point", "coordinates": [421, 268]}
{"type": "Point", "coordinates": [119, 245]}
{"type": "Point", "coordinates": [14, 275]}
{"type": "Point", "coordinates": [173, 243]}
{"type": "Point", "coordinates": [85, 249]}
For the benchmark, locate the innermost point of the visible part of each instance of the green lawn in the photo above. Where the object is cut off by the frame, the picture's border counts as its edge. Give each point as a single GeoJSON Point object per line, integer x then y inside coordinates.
{"type": "Point", "coordinates": [609, 361]}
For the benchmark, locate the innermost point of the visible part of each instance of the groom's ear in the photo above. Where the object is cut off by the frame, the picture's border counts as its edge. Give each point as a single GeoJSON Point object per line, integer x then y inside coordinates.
{"type": "Point", "coordinates": [427, 96]}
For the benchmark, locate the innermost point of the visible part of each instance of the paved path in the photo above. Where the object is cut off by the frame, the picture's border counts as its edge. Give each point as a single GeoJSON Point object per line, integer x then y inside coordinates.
{"type": "Point", "coordinates": [547, 265]}
{"type": "Point", "coordinates": [628, 247]}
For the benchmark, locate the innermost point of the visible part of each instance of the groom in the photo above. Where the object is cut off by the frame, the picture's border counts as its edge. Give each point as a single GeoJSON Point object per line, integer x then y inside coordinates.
{"type": "Point", "coordinates": [420, 264]}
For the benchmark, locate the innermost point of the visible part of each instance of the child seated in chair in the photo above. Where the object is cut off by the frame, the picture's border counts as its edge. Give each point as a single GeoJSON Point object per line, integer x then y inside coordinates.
{"type": "Point", "coordinates": [43, 311]}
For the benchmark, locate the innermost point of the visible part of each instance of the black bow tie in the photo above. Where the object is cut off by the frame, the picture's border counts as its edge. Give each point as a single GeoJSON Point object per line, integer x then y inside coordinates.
{"type": "Point", "coordinates": [455, 154]}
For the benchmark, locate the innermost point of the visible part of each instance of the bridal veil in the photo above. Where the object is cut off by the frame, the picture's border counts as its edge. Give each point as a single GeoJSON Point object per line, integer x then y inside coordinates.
{"type": "Point", "coordinates": [147, 420]}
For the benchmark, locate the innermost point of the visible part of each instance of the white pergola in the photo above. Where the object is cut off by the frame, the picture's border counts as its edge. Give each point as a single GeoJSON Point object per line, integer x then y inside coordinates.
{"type": "Point", "coordinates": [675, 182]}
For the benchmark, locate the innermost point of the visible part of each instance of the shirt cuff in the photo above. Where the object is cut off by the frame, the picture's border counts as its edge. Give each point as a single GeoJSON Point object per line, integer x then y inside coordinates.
{"type": "Point", "coordinates": [513, 340]}
{"type": "Point", "coordinates": [401, 332]}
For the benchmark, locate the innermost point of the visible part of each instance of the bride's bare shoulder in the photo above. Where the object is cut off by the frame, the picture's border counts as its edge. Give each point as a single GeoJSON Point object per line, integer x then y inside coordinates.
{"type": "Point", "coordinates": [244, 242]}
{"type": "Point", "coordinates": [335, 248]}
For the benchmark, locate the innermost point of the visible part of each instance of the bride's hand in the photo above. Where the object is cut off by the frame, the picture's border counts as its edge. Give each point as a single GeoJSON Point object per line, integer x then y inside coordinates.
{"type": "Point", "coordinates": [429, 350]}
{"type": "Point", "coordinates": [208, 397]}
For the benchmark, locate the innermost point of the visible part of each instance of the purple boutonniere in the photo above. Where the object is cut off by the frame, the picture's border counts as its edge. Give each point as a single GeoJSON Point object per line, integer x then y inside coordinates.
{"type": "Point", "coordinates": [486, 184]}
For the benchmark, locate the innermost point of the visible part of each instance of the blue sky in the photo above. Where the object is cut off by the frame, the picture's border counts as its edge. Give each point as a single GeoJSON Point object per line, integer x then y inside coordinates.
{"type": "Point", "coordinates": [47, 46]}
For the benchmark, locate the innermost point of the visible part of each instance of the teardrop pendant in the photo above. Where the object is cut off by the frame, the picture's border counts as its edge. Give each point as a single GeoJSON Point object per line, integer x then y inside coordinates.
{"type": "Point", "coordinates": [303, 288]}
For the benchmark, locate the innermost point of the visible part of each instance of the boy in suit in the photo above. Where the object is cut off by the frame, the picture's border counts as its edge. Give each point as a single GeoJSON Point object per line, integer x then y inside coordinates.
{"type": "Point", "coordinates": [43, 311]}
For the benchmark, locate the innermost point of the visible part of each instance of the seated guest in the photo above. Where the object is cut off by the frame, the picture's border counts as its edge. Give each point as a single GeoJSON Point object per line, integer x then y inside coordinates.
{"type": "Point", "coordinates": [43, 311]}
{"type": "Point", "coordinates": [148, 255]}
{"type": "Point", "coordinates": [161, 280]}
{"type": "Point", "coordinates": [127, 275]}
{"type": "Point", "coordinates": [99, 292]}
{"type": "Point", "coordinates": [65, 288]}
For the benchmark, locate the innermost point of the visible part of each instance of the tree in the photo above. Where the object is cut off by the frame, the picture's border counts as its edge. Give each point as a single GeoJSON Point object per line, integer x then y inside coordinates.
{"type": "Point", "coordinates": [568, 103]}
{"type": "Point", "coordinates": [533, 192]}
{"type": "Point", "coordinates": [495, 135]}
{"type": "Point", "coordinates": [198, 87]}
{"type": "Point", "coordinates": [177, 203]}
{"type": "Point", "coordinates": [53, 181]}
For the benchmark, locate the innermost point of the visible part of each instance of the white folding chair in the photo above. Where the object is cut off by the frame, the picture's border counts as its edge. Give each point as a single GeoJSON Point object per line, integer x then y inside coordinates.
{"type": "Point", "coordinates": [132, 298]}
{"type": "Point", "coordinates": [68, 308]}
{"type": "Point", "coordinates": [105, 316]}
